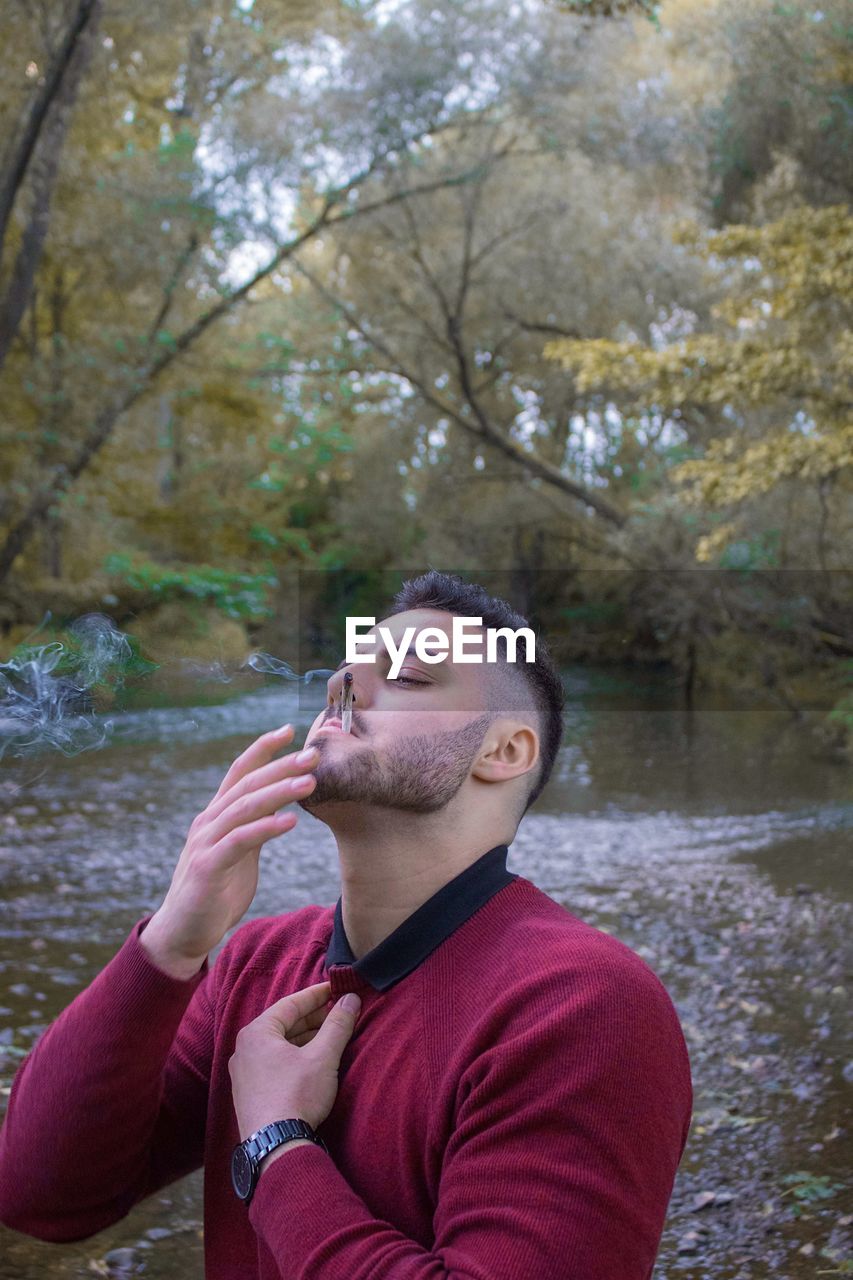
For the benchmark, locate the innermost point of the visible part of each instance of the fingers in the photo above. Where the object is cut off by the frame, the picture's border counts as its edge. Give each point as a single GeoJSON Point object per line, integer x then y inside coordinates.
{"type": "Point", "coordinates": [305, 1038]}
{"type": "Point", "coordinates": [252, 807]}
{"type": "Point", "coordinates": [336, 1031]}
{"type": "Point", "coordinates": [259, 753]}
{"type": "Point", "coordinates": [243, 814]}
{"type": "Point", "coordinates": [288, 1011]}
{"type": "Point", "coordinates": [249, 838]}
{"type": "Point", "coordinates": [304, 1031]}
{"type": "Point", "coordinates": [310, 1022]}
{"type": "Point", "coordinates": [293, 765]}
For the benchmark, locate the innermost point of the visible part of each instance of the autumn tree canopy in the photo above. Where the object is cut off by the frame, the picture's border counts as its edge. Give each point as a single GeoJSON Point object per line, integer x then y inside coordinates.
{"type": "Point", "coordinates": [557, 286]}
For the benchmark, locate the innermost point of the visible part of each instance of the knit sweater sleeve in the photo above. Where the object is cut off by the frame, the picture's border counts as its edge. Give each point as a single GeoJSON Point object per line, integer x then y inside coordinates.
{"type": "Point", "coordinates": [110, 1104]}
{"type": "Point", "coordinates": [570, 1124]}
{"type": "Point", "coordinates": [570, 1129]}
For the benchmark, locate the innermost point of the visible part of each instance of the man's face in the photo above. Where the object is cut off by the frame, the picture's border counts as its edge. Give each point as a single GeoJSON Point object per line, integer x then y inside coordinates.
{"type": "Point", "coordinates": [414, 737]}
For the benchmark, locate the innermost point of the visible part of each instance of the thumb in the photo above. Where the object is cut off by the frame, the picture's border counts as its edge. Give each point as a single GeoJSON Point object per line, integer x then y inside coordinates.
{"type": "Point", "coordinates": [338, 1026]}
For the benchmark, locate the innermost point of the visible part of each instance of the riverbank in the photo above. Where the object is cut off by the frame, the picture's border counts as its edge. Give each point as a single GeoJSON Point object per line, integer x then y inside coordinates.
{"type": "Point", "coordinates": [714, 845]}
{"type": "Point", "coordinates": [762, 981]}
{"type": "Point", "coordinates": [164, 647]}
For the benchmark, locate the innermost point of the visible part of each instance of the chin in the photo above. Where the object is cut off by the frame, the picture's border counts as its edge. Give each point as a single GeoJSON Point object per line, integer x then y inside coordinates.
{"type": "Point", "coordinates": [327, 811]}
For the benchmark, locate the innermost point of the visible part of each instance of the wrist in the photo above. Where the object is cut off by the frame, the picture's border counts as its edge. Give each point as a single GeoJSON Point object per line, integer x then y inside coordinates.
{"type": "Point", "coordinates": [279, 1151]}
{"type": "Point", "coordinates": [250, 1157]}
{"type": "Point", "coordinates": [166, 960]}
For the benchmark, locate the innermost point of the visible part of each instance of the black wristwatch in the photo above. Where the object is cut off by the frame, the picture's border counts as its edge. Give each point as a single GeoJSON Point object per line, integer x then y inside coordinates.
{"type": "Point", "coordinates": [247, 1156]}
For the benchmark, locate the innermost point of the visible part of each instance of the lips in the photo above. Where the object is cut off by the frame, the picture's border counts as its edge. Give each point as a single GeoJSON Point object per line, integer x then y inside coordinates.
{"type": "Point", "coordinates": [334, 723]}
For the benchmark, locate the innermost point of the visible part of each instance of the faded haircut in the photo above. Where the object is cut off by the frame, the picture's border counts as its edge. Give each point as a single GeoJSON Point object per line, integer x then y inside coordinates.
{"type": "Point", "coordinates": [532, 686]}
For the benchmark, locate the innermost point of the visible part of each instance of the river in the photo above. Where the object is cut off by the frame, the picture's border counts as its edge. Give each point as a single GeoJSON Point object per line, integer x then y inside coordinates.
{"type": "Point", "coordinates": [716, 844]}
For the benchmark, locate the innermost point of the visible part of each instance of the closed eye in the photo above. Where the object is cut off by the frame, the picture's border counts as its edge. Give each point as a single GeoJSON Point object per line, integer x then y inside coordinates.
{"type": "Point", "coordinates": [409, 680]}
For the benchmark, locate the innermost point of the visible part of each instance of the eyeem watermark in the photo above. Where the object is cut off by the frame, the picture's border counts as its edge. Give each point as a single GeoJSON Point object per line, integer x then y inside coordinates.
{"type": "Point", "coordinates": [431, 644]}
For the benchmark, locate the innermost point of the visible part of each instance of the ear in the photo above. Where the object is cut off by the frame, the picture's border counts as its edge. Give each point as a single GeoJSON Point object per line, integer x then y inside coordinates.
{"type": "Point", "coordinates": [510, 749]}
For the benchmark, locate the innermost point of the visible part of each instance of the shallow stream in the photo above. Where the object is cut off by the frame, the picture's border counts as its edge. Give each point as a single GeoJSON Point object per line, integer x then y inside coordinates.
{"type": "Point", "coordinates": [716, 844]}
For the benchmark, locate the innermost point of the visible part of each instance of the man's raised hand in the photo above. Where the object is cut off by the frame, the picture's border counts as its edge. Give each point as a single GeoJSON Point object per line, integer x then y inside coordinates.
{"type": "Point", "coordinates": [217, 873]}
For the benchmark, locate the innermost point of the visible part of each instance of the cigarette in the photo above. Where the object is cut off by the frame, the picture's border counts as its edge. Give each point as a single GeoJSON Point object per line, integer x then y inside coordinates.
{"type": "Point", "coordinates": [346, 703]}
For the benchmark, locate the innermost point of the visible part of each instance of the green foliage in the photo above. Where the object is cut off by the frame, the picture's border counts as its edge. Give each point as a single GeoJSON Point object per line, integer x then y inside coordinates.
{"type": "Point", "coordinates": [595, 611]}
{"type": "Point", "coordinates": [67, 652]}
{"type": "Point", "coordinates": [785, 346]}
{"type": "Point", "coordinates": [842, 713]}
{"type": "Point", "coordinates": [238, 595]}
{"type": "Point", "coordinates": [790, 95]}
{"type": "Point", "coordinates": [809, 1188]}
{"type": "Point", "coordinates": [84, 668]}
{"type": "Point", "coordinates": [748, 554]}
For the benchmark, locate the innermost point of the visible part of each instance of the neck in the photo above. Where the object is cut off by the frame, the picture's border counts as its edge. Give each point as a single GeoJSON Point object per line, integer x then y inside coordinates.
{"type": "Point", "coordinates": [392, 861]}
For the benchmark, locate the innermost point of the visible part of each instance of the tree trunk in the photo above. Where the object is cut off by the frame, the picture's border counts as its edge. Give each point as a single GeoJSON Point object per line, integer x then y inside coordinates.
{"type": "Point", "coordinates": [40, 149]}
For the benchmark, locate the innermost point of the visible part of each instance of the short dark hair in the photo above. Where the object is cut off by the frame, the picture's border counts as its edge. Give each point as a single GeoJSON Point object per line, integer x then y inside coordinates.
{"type": "Point", "coordinates": [436, 590]}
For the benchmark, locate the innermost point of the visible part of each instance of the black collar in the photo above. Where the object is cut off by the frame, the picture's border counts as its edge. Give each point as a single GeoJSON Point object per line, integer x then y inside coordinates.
{"type": "Point", "coordinates": [425, 929]}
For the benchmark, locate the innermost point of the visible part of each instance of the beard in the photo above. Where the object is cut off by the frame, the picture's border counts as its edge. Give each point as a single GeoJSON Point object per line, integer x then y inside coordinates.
{"type": "Point", "coordinates": [422, 774]}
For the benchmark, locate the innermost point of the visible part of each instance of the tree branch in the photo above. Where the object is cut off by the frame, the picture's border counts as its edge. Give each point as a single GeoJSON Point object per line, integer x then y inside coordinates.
{"type": "Point", "coordinates": [169, 292]}
{"type": "Point", "coordinates": [64, 475]}
{"type": "Point", "coordinates": [481, 428]}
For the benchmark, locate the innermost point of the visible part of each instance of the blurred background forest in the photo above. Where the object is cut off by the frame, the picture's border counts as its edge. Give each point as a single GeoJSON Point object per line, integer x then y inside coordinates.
{"type": "Point", "coordinates": [292, 294]}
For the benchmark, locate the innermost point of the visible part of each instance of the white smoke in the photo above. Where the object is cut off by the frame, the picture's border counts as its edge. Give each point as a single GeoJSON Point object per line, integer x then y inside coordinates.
{"type": "Point", "coordinates": [48, 692]}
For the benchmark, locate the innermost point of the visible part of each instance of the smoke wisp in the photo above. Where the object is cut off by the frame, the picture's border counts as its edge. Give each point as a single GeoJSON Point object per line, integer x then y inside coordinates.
{"type": "Point", "coordinates": [49, 692]}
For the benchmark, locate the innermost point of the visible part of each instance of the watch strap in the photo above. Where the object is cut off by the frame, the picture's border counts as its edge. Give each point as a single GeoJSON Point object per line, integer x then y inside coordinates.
{"type": "Point", "coordinates": [264, 1140]}
{"type": "Point", "coordinates": [247, 1156]}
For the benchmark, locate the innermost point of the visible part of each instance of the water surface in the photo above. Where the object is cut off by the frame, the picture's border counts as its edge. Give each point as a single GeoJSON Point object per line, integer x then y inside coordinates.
{"type": "Point", "coordinates": [703, 841]}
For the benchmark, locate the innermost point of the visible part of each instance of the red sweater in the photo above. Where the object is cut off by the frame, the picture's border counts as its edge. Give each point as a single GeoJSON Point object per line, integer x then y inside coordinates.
{"type": "Point", "coordinates": [513, 1103]}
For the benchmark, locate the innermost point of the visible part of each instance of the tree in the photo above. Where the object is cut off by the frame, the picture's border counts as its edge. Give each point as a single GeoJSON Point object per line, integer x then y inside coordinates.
{"type": "Point", "coordinates": [165, 214]}
{"type": "Point", "coordinates": [786, 96]}
{"type": "Point", "coordinates": [562, 231]}
{"type": "Point", "coordinates": [779, 368]}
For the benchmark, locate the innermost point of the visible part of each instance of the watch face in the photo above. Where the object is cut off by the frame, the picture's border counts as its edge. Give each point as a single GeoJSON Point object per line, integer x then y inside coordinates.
{"type": "Point", "coordinates": [241, 1173]}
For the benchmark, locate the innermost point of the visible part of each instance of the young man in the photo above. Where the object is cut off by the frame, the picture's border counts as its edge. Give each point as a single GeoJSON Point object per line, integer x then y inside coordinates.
{"type": "Point", "coordinates": [509, 1101]}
